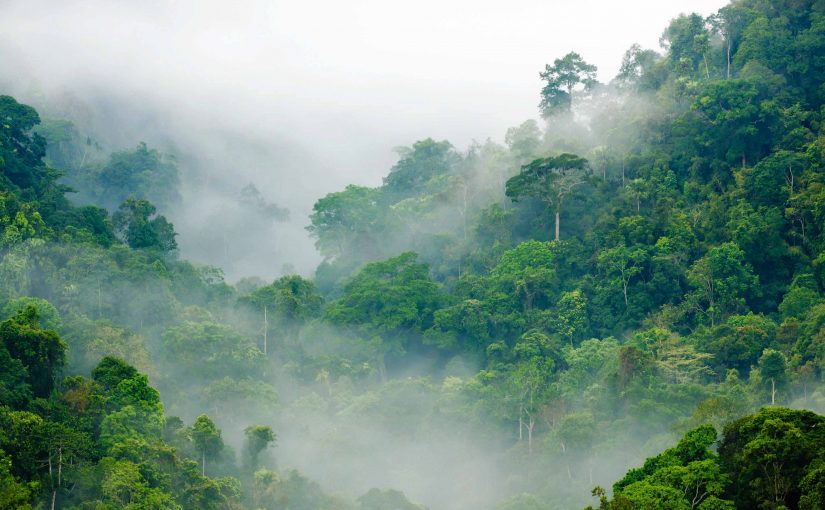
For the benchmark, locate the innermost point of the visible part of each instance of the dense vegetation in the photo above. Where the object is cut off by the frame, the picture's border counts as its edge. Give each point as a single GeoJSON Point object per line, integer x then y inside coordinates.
{"type": "Point", "coordinates": [647, 264]}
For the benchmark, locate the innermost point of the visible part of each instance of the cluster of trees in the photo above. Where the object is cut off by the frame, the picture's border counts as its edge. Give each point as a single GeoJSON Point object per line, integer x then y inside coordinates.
{"type": "Point", "coordinates": [80, 425]}
{"type": "Point", "coordinates": [774, 458]}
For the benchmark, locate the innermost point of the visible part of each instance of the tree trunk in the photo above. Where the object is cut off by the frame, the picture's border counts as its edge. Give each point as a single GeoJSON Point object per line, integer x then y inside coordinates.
{"type": "Point", "coordinates": [558, 220]}
{"type": "Point", "coordinates": [773, 391]}
{"type": "Point", "coordinates": [728, 74]}
{"type": "Point", "coordinates": [790, 178]}
{"type": "Point", "coordinates": [531, 422]}
{"type": "Point", "coordinates": [624, 285]}
{"type": "Point", "coordinates": [51, 479]}
{"type": "Point", "coordinates": [203, 463]}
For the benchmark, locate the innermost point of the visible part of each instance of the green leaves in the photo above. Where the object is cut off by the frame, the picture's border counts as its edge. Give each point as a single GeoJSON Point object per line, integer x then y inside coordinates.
{"type": "Point", "coordinates": [425, 160]}
{"type": "Point", "coordinates": [723, 280]}
{"type": "Point", "coordinates": [41, 352]}
{"type": "Point", "coordinates": [549, 180]}
{"type": "Point", "coordinates": [385, 297]}
{"type": "Point", "coordinates": [769, 453]}
{"type": "Point", "coordinates": [528, 273]}
{"type": "Point", "coordinates": [685, 477]}
{"type": "Point", "coordinates": [207, 437]}
{"type": "Point", "coordinates": [561, 79]}
{"type": "Point", "coordinates": [137, 224]}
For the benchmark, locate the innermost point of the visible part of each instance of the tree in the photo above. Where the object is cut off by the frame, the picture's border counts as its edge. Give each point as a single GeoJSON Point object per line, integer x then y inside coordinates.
{"type": "Point", "coordinates": [622, 265]}
{"type": "Point", "coordinates": [723, 280]}
{"type": "Point", "coordinates": [258, 439]}
{"type": "Point", "coordinates": [570, 316]}
{"type": "Point", "coordinates": [15, 390]}
{"type": "Point", "coordinates": [549, 180]}
{"type": "Point", "coordinates": [686, 477]}
{"type": "Point", "coordinates": [388, 302]}
{"type": "Point", "coordinates": [425, 160]}
{"type": "Point", "coordinates": [347, 222]}
{"type": "Point", "coordinates": [207, 348]}
{"type": "Point", "coordinates": [773, 369]}
{"type": "Point", "coordinates": [22, 150]}
{"type": "Point", "coordinates": [688, 42]}
{"type": "Point", "coordinates": [730, 21]}
{"type": "Point", "coordinates": [41, 352]}
{"type": "Point", "coordinates": [142, 173]}
{"type": "Point", "coordinates": [207, 439]}
{"type": "Point", "coordinates": [289, 301]}
{"type": "Point", "coordinates": [769, 453]}
{"type": "Point", "coordinates": [530, 378]}
{"type": "Point", "coordinates": [561, 79]}
{"type": "Point", "coordinates": [527, 272]}
{"type": "Point", "coordinates": [523, 141]}
{"type": "Point", "coordinates": [636, 64]}
{"type": "Point", "coordinates": [13, 494]}
{"type": "Point", "coordinates": [137, 224]}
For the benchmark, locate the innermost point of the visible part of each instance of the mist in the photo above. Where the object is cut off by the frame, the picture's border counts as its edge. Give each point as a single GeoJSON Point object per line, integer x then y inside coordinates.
{"type": "Point", "coordinates": [265, 108]}
{"type": "Point", "coordinates": [298, 100]}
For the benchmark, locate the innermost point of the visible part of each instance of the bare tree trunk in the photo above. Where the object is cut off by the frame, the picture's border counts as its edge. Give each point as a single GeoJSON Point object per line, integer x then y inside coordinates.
{"type": "Point", "coordinates": [728, 74]}
{"type": "Point", "coordinates": [51, 479]}
{"type": "Point", "coordinates": [624, 285]}
{"type": "Point", "coordinates": [558, 220]}
{"type": "Point", "coordinates": [773, 391]}
{"type": "Point", "coordinates": [203, 463]}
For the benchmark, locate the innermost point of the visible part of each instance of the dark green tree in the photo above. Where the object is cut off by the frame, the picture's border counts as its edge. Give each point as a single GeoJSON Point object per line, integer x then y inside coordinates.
{"type": "Point", "coordinates": [561, 79]}
{"type": "Point", "coordinates": [41, 352]}
{"type": "Point", "coordinates": [550, 180]}
{"type": "Point", "coordinates": [207, 439]}
{"type": "Point", "coordinates": [137, 224]}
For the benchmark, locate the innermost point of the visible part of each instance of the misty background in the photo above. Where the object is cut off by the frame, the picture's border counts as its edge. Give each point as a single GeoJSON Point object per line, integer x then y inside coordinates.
{"type": "Point", "coordinates": [297, 99]}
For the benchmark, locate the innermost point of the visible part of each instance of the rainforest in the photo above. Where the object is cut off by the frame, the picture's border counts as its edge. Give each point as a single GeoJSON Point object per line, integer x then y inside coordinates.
{"type": "Point", "coordinates": [617, 305]}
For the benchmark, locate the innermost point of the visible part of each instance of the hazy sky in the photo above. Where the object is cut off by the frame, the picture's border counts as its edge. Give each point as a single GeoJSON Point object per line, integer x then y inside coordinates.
{"type": "Point", "coordinates": [323, 89]}
{"type": "Point", "coordinates": [337, 70]}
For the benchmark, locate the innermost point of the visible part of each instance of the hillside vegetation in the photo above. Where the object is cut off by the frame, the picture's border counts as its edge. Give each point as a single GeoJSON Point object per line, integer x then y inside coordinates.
{"type": "Point", "coordinates": [500, 327]}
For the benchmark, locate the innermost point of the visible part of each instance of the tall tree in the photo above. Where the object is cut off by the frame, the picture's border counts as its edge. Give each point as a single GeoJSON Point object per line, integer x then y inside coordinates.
{"type": "Point", "coordinates": [207, 439]}
{"type": "Point", "coordinates": [550, 180]}
{"type": "Point", "coordinates": [561, 79]}
{"type": "Point", "coordinates": [258, 439]}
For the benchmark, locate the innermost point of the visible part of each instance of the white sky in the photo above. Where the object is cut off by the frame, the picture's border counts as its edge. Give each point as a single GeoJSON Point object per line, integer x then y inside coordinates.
{"type": "Point", "coordinates": [378, 70]}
